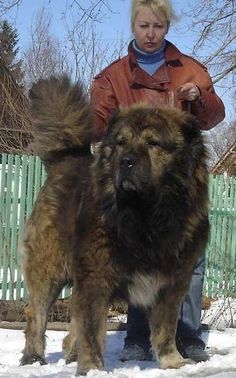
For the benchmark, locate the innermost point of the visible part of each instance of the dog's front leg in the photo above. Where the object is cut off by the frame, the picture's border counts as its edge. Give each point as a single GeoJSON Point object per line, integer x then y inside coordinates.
{"type": "Point", "coordinates": [163, 317]}
{"type": "Point", "coordinates": [90, 303]}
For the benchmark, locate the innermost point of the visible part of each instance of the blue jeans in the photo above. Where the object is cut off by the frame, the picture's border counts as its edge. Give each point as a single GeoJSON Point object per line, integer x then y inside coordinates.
{"type": "Point", "coordinates": [189, 323]}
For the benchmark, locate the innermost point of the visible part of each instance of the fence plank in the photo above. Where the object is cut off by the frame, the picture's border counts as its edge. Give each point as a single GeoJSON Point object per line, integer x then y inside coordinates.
{"type": "Point", "coordinates": [13, 223]}
{"type": "Point", "coordinates": [232, 237]}
{"type": "Point", "coordinates": [6, 224]}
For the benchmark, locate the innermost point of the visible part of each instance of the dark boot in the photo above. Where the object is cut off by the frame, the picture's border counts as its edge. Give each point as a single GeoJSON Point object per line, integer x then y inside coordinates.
{"type": "Point", "coordinates": [192, 348]}
{"type": "Point", "coordinates": [137, 345]}
{"type": "Point", "coordinates": [136, 352]}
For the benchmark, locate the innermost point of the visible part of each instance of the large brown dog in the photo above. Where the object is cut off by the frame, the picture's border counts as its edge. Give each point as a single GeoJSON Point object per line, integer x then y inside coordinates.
{"type": "Point", "coordinates": [131, 221]}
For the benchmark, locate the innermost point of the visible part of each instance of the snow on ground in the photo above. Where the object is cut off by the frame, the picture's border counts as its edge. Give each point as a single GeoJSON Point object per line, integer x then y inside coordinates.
{"type": "Point", "coordinates": [219, 366]}
{"type": "Point", "coordinates": [222, 363]}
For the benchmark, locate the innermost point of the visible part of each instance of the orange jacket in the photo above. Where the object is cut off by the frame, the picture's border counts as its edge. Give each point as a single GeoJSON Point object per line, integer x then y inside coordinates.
{"type": "Point", "coordinates": [124, 83]}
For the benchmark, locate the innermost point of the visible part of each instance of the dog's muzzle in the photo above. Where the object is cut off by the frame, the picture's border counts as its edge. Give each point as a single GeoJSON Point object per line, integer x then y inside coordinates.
{"type": "Point", "coordinates": [126, 179]}
{"type": "Point", "coordinates": [126, 174]}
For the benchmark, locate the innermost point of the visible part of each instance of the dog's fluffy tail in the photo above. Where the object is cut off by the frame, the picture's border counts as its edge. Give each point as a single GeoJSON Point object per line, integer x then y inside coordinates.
{"type": "Point", "coordinates": [61, 117]}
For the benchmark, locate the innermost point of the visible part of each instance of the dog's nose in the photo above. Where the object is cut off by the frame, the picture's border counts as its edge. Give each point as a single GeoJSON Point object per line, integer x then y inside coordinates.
{"type": "Point", "coordinates": [127, 162]}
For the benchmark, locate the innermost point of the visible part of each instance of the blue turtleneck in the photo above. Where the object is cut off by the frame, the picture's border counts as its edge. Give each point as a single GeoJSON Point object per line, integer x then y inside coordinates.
{"type": "Point", "coordinates": [149, 62]}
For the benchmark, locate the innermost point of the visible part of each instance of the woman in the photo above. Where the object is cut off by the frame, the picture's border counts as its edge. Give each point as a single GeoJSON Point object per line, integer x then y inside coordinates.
{"type": "Point", "coordinates": [156, 72]}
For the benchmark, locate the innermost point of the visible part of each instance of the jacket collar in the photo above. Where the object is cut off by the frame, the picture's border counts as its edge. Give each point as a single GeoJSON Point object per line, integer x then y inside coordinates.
{"type": "Point", "coordinates": [141, 78]}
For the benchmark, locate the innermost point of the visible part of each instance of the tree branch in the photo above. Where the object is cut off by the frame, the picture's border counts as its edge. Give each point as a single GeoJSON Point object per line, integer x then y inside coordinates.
{"type": "Point", "coordinates": [224, 73]}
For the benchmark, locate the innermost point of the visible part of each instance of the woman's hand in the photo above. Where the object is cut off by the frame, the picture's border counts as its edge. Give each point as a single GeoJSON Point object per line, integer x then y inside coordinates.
{"type": "Point", "coordinates": [188, 92]}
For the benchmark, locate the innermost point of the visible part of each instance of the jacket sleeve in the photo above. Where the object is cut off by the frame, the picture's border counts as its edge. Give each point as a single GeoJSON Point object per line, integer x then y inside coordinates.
{"type": "Point", "coordinates": [104, 103]}
{"type": "Point", "coordinates": [209, 109]}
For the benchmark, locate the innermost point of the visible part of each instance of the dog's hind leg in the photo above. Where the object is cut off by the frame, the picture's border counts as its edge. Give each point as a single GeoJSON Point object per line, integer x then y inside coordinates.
{"type": "Point", "coordinates": [90, 304]}
{"type": "Point", "coordinates": [37, 312]}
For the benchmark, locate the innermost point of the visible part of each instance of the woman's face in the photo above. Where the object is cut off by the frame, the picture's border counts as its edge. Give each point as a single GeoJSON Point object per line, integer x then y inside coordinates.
{"type": "Point", "coordinates": [149, 29]}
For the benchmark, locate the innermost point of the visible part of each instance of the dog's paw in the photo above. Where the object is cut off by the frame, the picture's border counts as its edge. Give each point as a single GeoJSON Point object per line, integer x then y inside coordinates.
{"type": "Point", "coordinates": [83, 369]}
{"type": "Point", "coordinates": [29, 360]}
{"type": "Point", "coordinates": [174, 361]}
{"type": "Point", "coordinates": [71, 358]}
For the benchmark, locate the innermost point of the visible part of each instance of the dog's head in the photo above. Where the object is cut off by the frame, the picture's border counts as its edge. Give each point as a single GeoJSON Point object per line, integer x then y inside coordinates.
{"type": "Point", "coordinates": [145, 147]}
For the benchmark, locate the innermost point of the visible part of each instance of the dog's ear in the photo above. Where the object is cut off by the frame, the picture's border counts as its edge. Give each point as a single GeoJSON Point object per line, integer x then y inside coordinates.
{"type": "Point", "coordinates": [191, 128]}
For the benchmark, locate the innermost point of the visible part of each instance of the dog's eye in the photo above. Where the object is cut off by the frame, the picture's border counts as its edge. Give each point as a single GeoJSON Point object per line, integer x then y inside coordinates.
{"type": "Point", "coordinates": [152, 143]}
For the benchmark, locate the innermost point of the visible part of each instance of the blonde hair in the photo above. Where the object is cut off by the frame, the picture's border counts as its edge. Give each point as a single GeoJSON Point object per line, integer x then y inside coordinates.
{"type": "Point", "coordinates": [155, 5]}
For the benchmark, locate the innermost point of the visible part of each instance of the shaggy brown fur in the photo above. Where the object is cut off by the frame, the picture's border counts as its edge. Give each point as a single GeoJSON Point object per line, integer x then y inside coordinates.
{"type": "Point", "coordinates": [132, 221]}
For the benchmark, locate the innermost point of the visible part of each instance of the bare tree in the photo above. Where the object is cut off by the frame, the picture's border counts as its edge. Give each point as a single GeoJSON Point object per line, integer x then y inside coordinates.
{"type": "Point", "coordinates": [45, 55]}
{"type": "Point", "coordinates": [220, 139]}
{"type": "Point", "coordinates": [88, 10]}
{"type": "Point", "coordinates": [83, 51]}
{"type": "Point", "coordinates": [15, 126]}
{"type": "Point", "coordinates": [8, 5]}
{"type": "Point", "coordinates": [213, 23]}
{"type": "Point", "coordinates": [88, 50]}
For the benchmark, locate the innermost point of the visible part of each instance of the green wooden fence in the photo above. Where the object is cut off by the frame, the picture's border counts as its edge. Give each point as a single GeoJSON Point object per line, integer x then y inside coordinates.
{"type": "Point", "coordinates": [220, 279]}
{"type": "Point", "coordinates": [20, 180]}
